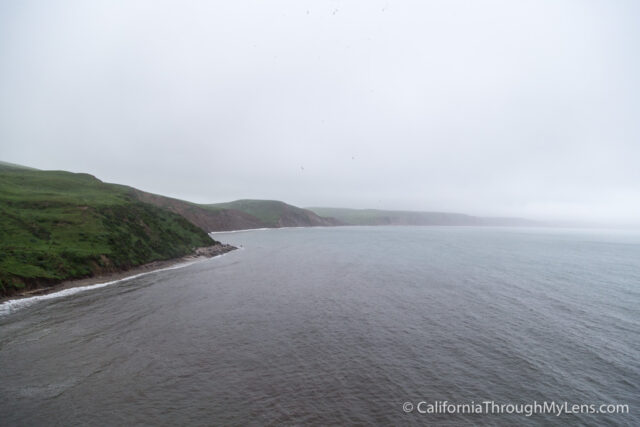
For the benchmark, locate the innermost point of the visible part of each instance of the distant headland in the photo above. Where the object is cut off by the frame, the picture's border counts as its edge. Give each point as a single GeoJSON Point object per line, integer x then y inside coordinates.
{"type": "Point", "coordinates": [57, 226]}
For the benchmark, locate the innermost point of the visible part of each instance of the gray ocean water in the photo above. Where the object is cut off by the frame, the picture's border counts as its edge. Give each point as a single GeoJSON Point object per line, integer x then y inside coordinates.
{"type": "Point", "coordinates": [340, 326]}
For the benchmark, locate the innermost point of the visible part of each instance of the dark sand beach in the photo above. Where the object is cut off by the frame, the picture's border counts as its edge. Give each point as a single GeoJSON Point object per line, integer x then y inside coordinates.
{"type": "Point", "coordinates": [199, 253]}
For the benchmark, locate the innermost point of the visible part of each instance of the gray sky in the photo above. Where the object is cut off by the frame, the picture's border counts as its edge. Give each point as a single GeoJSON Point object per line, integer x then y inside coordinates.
{"type": "Point", "coordinates": [519, 108]}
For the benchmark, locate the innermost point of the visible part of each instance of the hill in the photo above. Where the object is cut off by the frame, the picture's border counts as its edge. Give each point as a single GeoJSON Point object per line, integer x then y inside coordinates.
{"type": "Point", "coordinates": [208, 218]}
{"type": "Point", "coordinates": [239, 214]}
{"type": "Point", "coordinates": [273, 213]}
{"type": "Point", "coordinates": [390, 217]}
{"type": "Point", "coordinates": [57, 225]}
{"type": "Point", "coordinates": [14, 166]}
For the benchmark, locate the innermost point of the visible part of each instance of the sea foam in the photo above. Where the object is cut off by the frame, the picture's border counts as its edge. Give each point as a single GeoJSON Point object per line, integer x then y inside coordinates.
{"type": "Point", "coordinates": [13, 305]}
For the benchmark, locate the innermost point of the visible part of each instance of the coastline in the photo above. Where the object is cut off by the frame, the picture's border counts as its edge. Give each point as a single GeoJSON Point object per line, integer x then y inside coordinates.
{"type": "Point", "coordinates": [199, 254]}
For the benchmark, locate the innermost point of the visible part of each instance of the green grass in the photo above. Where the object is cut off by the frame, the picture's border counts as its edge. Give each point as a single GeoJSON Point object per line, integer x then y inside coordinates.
{"type": "Point", "coordinates": [58, 225]}
{"type": "Point", "coordinates": [354, 216]}
{"type": "Point", "coordinates": [267, 211]}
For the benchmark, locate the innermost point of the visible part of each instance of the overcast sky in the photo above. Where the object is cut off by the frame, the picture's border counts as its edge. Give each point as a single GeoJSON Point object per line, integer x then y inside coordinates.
{"type": "Point", "coordinates": [519, 108]}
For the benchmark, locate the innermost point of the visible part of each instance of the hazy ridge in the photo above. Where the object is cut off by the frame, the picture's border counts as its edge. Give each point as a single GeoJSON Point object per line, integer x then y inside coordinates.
{"type": "Point", "coordinates": [392, 217]}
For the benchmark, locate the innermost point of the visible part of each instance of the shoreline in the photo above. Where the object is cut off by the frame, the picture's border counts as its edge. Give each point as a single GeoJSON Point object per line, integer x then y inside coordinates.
{"type": "Point", "coordinates": [199, 254]}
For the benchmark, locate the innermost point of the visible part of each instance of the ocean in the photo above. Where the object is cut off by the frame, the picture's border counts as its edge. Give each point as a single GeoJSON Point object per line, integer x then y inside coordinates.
{"type": "Point", "coordinates": [343, 326]}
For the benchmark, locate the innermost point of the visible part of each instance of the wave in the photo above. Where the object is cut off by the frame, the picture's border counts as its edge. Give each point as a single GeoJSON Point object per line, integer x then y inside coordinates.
{"type": "Point", "coordinates": [13, 305]}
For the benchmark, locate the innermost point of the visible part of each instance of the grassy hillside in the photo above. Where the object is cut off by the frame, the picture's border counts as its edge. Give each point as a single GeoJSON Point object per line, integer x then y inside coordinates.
{"type": "Point", "coordinates": [267, 211]}
{"type": "Point", "coordinates": [58, 225]}
{"type": "Point", "coordinates": [273, 213]}
{"type": "Point", "coordinates": [206, 217]}
{"type": "Point", "coordinates": [386, 217]}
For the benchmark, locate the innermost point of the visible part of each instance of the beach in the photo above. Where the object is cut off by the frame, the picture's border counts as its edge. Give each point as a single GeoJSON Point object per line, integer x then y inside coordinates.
{"type": "Point", "coordinates": [198, 254]}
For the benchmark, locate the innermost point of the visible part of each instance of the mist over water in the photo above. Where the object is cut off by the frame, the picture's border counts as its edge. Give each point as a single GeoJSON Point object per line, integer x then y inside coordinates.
{"type": "Point", "coordinates": [340, 325]}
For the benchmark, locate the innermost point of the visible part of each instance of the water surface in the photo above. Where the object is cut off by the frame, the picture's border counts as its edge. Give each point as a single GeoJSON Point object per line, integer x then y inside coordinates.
{"type": "Point", "coordinates": [340, 326]}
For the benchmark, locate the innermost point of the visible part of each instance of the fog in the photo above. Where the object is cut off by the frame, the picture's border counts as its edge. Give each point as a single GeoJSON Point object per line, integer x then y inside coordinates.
{"type": "Point", "coordinates": [525, 108]}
